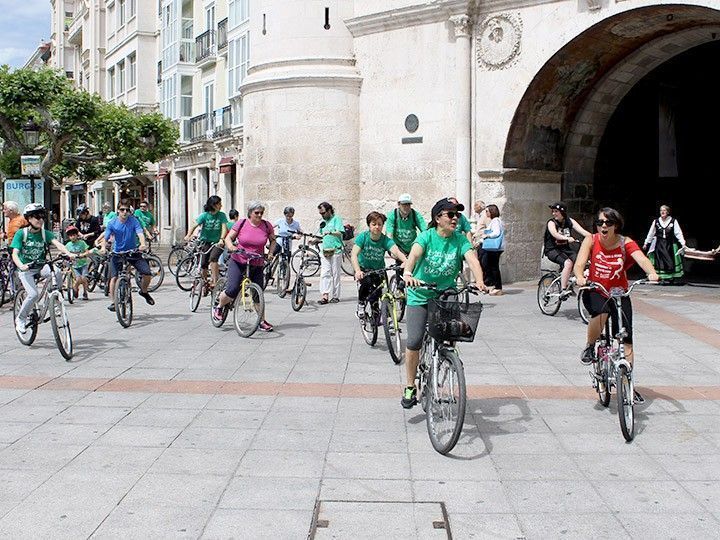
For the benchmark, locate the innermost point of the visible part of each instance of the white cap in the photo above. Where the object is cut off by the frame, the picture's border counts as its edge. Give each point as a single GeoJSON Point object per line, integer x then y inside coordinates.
{"type": "Point", "coordinates": [405, 198]}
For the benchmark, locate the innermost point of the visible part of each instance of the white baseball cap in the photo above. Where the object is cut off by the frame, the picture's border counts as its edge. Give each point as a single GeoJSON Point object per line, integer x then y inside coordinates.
{"type": "Point", "coordinates": [405, 198]}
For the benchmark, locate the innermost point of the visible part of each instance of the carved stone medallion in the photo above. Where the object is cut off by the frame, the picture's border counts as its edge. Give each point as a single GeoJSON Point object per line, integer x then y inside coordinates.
{"type": "Point", "coordinates": [498, 41]}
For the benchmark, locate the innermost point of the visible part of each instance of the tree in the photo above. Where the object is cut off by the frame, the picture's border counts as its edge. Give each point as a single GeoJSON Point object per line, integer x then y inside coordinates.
{"type": "Point", "coordinates": [80, 134]}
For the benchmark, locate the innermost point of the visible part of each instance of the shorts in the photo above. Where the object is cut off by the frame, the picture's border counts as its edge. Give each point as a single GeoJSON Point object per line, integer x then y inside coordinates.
{"type": "Point", "coordinates": [561, 254]}
{"type": "Point", "coordinates": [140, 264]}
{"type": "Point", "coordinates": [416, 317]}
{"type": "Point", "coordinates": [212, 256]}
{"type": "Point", "coordinates": [597, 304]}
{"type": "Point", "coordinates": [81, 271]}
{"type": "Point", "coordinates": [236, 273]}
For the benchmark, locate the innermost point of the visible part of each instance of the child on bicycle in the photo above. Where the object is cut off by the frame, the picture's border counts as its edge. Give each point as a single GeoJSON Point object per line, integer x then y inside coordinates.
{"type": "Point", "coordinates": [368, 253]}
{"type": "Point", "coordinates": [30, 249]}
{"type": "Point", "coordinates": [80, 267]}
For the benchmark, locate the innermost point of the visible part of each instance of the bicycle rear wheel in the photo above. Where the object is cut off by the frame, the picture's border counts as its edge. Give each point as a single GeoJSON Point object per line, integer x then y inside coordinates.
{"type": "Point", "coordinates": [214, 300]}
{"type": "Point", "coordinates": [446, 401]}
{"type": "Point", "coordinates": [368, 325]}
{"type": "Point", "coordinates": [346, 263]}
{"type": "Point", "coordinates": [298, 294]}
{"type": "Point", "coordinates": [249, 310]}
{"type": "Point", "coordinates": [392, 331]}
{"type": "Point", "coordinates": [69, 287]}
{"type": "Point", "coordinates": [584, 313]}
{"type": "Point", "coordinates": [31, 333]}
{"type": "Point", "coordinates": [548, 294]}
{"type": "Point", "coordinates": [400, 298]}
{"type": "Point", "coordinates": [123, 302]}
{"type": "Point", "coordinates": [625, 403]}
{"type": "Point", "coordinates": [196, 293]}
{"type": "Point", "coordinates": [61, 327]}
{"type": "Point", "coordinates": [282, 279]}
{"type": "Point", "coordinates": [176, 255]}
{"type": "Point", "coordinates": [312, 261]}
{"type": "Point", "coordinates": [186, 272]}
{"type": "Point", "coordinates": [157, 273]}
{"type": "Point", "coordinates": [91, 276]}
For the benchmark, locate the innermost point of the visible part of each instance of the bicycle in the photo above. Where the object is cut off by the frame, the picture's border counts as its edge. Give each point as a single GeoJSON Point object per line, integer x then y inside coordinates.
{"type": "Point", "coordinates": [381, 308]}
{"type": "Point", "coordinates": [306, 262]}
{"type": "Point", "coordinates": [610, 367]}
{"type": "Point", "coordinates": [8, 281]}
{"type": "Point", "coordinates": [440, 377]}
{"type": "Point", "coordinates": [278, 270]}
{"type": "Point", "coordinates": [201, 285]}
{"type": "Point", "coordinates": [189, 268]}
{"type": "Point", "coordinates": [551, 295]}
{"type": "Point", "coordinates": [248, 307]}
{"type": "Point", "coordinates": [99, 273]}
{"type": "Point", "coordinates": [49, 306]}
{"type": "Point", "coordinates": [123, 289]}
{"type": "Point", "coordinates": [68, 281]}
{"type": "Point", "coordinates": [178, 252]}
{"type": "Point", "coordinates": [157, 272]}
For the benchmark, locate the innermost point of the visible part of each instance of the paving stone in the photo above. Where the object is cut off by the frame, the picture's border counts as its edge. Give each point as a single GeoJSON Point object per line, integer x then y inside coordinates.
{"type": "Point", "coordinates": [282, 464]}
{"type": "Point", "coordinates": [367, 465]}
{"type": "Point", "coordinates": [161, 489]}
{"type": "Point", "coordinates": [154, 521]}
{"type": "Point", "coordinates": [279, 524]}
{"type": "Point", "coordinates": [120, 435]}
{"type": "Point", "coordinates": [647, 496]}
{"type": "Point", "coordinates": [245, 492]}
{"type": "Point", "coordinates": [366, 489]}
{"type": "Point", "coordinates": [669, 525]}
{"type": "Point", "coordinates": [568, 525]}
{"type": "Point", "coordinates": [553, 496]}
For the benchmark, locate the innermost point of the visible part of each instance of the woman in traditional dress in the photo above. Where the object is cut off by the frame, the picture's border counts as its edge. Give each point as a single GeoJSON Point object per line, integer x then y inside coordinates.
{"type": "Point", "coordinates": [663, 244]}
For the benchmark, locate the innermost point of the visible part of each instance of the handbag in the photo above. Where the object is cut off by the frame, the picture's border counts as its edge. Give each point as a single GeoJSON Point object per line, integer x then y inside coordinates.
{"type": "Point", "coordinates": [493, 244]}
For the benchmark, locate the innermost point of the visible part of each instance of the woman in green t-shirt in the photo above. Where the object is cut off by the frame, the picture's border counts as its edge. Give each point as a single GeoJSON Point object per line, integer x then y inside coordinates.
{"type": "Point", "coordinates": [368, 253]}
{"type": "Point", "coordinates": [214, 225]}
{"type": "Point", "coordinates": [436, 257]}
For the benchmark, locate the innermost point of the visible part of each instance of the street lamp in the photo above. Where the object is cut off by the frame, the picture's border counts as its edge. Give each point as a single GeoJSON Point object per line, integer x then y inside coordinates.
{"type": "Point", "coordinates": [31, 133]}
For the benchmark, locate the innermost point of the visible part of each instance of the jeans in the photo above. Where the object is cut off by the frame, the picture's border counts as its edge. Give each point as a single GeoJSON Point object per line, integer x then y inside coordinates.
{"type": "Point", "coordinates": [31, 288]}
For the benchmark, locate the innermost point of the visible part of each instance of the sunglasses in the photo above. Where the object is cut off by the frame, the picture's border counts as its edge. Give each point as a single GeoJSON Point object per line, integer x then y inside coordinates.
{"type": "Point", "coordinates": [123, 209]}
{"type": "Point", "coordinates": [451, 214]}
{"type": "Point", "coordinates": [601, 222]}
{"type": "Point", "coordinates": [258, 212]}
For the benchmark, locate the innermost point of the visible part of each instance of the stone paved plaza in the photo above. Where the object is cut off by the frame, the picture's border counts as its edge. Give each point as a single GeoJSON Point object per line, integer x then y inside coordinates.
{"type": "Point", "coordinates": [173, 428]}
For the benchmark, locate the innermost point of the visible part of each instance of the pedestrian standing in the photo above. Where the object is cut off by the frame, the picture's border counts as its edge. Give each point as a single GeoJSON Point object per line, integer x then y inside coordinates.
{"type": "Point", "coordinates": [331, 229]}
{"type": "Point", "coordinates": [493, 246]}
{"type": "Point", "coordinates": [11, 211]}
{"type": "Point", "coordinates": [663, 243]}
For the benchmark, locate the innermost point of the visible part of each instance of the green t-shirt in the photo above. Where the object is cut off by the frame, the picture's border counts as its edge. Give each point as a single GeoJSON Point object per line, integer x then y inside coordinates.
{"type": "Point", "coordinates": [441, 263]}
{"type": "Point", "coordinates": [33, 248]}
{"type": "Point", "coordinates": [211, 226]}
{"type": "Point", "coordinates": [78, 246]}
{"type": "Point", "coordinates": [146, 219]}
{"type": "Point", "coordinates": [372, 252]}
{"type": "Point", "coordinates": [404, 231]}
{"type": "Point", "coordinates": [107, 218]}
{"type": "Point", "coordinates": [332, 241]}
{"type": "Point", "coordinates": [463, 225]}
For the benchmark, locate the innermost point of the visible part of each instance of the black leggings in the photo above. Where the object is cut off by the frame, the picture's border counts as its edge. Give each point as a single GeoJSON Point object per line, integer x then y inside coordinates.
{"type": "Point", "coordinates": [236, 273]}
{"type": "Point", "coordinates": [490, 262]}
{"type": "Point", "coordinates": [367, 285]}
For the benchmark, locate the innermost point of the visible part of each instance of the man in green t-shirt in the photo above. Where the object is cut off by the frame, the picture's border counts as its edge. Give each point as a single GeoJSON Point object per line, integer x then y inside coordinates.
{"type": "Point", "coordinates": [368, 253]}
{"type": "Point", "coordinates": [404, 223]}
{"type": "Point", "coordinates": [212, 236]}
{"type": "Point", "coordinates": [146, 219]}
{"type": "Point", "coordinates": [463, 225]}
{"type": "Point", "coordinates": [331, 229]}
{"type": "Point", "coordinates": [30, 249]}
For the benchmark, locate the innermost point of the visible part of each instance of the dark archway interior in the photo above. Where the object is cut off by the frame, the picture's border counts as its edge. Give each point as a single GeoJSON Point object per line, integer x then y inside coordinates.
{"type": "Point", "coordinates": [662, 146]}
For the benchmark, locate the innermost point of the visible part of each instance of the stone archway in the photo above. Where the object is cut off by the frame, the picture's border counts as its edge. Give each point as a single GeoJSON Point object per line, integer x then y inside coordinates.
{"type": "Point", "coordinates": [560, 121]}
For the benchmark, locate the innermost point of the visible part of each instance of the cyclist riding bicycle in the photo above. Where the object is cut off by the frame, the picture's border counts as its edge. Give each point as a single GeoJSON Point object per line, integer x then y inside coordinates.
{"type": "Point", "coordinates": [610, 255]}
{"type": "Point", "coordinates": [146, 219]}
{"type": "Point", "coordinates": [287, 227]}
{"type": "Point", "coordinates": [435, 257]}
{"type": "Point", "coordinates": [30, 250]}
{"type": "Point", "coordinates": [212, 236]}
{"type": "Point", "coordinates": [559, 240]}
{"type": "Point", "coordinates": [368, 253]}
{"type": "Point", "coordinates": [127, 234]}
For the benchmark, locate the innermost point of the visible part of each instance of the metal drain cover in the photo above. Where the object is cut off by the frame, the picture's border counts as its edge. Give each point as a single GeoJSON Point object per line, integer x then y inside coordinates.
{"type": "Point", "coordinates": [380, 519]}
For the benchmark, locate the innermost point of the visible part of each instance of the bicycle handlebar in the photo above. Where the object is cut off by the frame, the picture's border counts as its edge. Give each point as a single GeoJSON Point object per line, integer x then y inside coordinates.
{"type": "Point", "coordinates": [472, 289]}
{"type": "Point", "coordinates": [309, 235]}
{"type": "Point", "coordinates": [381, 270]}
{"type": "Point", "coordinates": [591, 285]}
{"type": "Point", "coordinates": [250, 256]}
{"type": "Point", "coordinates": [39, 264]}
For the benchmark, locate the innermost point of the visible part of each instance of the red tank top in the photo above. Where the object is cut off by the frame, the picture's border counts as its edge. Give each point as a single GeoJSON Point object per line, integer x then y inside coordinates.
{"type": "Point", "coordinates": [609, 267]}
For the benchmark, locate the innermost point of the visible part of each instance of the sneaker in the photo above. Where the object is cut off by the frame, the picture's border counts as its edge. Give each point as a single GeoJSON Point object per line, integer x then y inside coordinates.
{"type": "Point", "coordinates": [266, 326]}
{"type": "Point", "coordinates": [334, 300]}
{"type": "Point", "coordinates": [111, 307]}
{"type": "Point", "coordinates": [148, 298]}
{"type": "Point", "coordinates": [20, 325]}
{"type": "Point", "coordinates": [588, 355]}
{"type": "Point", "coordinates": [217, 313]}
{"type": "Point", "coordinates": [638, 398]}
{"type": "Point", "coordinates": [409, 399]}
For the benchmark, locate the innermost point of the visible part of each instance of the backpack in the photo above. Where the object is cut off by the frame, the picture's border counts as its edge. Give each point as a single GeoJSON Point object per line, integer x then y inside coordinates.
{"type": "Point", "coordinates": [397, 216]}
{"type": "Point", "coordinates": [348, 232]}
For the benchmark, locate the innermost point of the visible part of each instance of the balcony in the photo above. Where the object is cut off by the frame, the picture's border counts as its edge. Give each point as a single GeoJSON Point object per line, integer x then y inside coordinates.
{"type": "Point", "coordinates": [197, 127]}
{"type": "Point", "coordinates": [205, 51]}
{"type": "Point", "coordinates": [222, 122]}
{"type": "Point", "coordinates": [222, 36]}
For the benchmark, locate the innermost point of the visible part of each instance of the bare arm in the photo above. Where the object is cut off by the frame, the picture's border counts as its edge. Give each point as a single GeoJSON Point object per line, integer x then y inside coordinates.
{"type": "Point", "coordinates": [230, 240]}
{"type": "Point", "coordinates": [190, 232]}
{"type": "Point", "coordinates": [581, 261]}
{"type": "Point", "coordinates": [579, 228]}
{"type": "Point", "coordinates": [472, 260]}
{"type": "Point", "coordinates": [61, 248]}
{"type": "Point", "coordinates": [356, 263]}
{"type": "Point", "coordinates": [223, 234]}
{"type": "Point", "coordinates": [395, 252]}
{"type": "Point", "coordinates": [644, 263]}
{"type": "Point", "coordinates": [415, 253]}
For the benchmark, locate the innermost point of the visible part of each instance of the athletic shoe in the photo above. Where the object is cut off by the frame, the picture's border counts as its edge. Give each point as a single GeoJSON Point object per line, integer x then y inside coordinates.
{"type": "Point", "coordinates": [409, 399]}
{"type": "Point", "coordinates": [20, 325]}
{"type": "Point", "coordinates": [266, 326]}
{"type": "Point", "coordinates": [148, 298]}
{"type": "Point", "coordinates": [111, 307]}
{"type": "Point", "coordinates": [588, 355]}
{"type": "Point", "coordinates": [360, 311]}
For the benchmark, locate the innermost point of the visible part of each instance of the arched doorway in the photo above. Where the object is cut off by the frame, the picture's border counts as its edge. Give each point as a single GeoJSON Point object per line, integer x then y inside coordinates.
{"type": "Point", "coordinates": [563, 122]}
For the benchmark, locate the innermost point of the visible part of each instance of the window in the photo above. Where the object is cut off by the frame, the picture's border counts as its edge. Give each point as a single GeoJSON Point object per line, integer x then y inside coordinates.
{"type": "Point", "coordinates": [168, 97]}
{"type": "Point", "coordinates": [238, 12]}
{"type": "Point", "coordinates": [111, 20]}
{"type": "Point", "coordinates": [111, 83]}
{"type": "Point", "coordinates": [121, 12]}
{"type": "Point", "coordinates": [186, 96]}
{"type": "Point", "coordinates": [132, 70]}
{"type": "Point", "coordinates": [238, 60]}
{"type": "Point", "coordinates": [132, 9]}
{"type": "Point", "coordinates": [210, 18]}
{"type": "Point", "coordinates": [121, 77]}
{"type": "Point", "coordinates": [208, 98]}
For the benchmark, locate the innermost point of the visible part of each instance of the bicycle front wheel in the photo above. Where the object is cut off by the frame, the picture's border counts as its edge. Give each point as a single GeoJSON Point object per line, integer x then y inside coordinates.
{"type": "Point", "coordinates": [369, 325]}
{"type": "Point", "coordinates": [249, 310]}
{"type": "Point", "coordinates": [61, 327]}
{"type": "Point", "coordinates": [312, 261]}
{"type": "Point", "coordinates": [548, 294]}
{"type": "Point", "coordinates": [157, 273]}
{"type": "Point", "coordinates": [400, 298]}
{"type": "Point", "coordinates": [185, 274]}
{"type": "Point", "coordinates": [446, 401]}
{"type": "Point", "coordinates": [215, 300]}
{"type": "Point", "coordinates": [69, 287]}
{"type": "Point", "coordinates": [584, 313]}
{"type": "Point", "coordinates": [91, 276]}
{"type": "Point", "coordinates": [282, 282]}
{"type": "Point", "coordinates": [346, 263]}
{"type": "Point", "coordinates": [602, 379]}
{"type": "Point", "coordinates": [299, 293]}
{"type": "Point", "coordinates": [31, 332]}
{"type": "Point", "coordinates": [123, 302]}
{"type": "Point", "coordinates": [392, 330]}
{"type": "Point", "coordinates": [626, 403]}
{"type": "Point", "coordinates": [196, 293]}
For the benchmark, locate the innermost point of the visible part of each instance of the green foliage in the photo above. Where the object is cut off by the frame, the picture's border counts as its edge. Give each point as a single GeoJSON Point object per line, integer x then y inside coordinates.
{"type": "Point", "coordinates": [81, 134]}
{"type": "Point", "coordinates": [10, 163]}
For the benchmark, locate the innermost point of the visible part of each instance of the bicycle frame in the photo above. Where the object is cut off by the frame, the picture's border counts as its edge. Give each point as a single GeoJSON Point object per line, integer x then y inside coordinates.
{"type": "Point", "coordinates": [50, 288]}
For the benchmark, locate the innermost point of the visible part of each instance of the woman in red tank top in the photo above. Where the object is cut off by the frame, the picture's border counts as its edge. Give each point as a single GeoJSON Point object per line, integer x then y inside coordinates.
{"type": "Point", "coordinates": [610, 256]}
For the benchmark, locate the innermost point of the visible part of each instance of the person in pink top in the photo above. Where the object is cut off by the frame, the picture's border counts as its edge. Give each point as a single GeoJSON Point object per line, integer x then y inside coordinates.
{"type": "Point", "coordinates": [251, 235]}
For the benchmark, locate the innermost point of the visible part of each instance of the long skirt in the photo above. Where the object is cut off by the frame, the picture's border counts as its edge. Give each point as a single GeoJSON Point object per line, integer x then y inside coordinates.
{"type": "Point", "coordinates": [665, 258]}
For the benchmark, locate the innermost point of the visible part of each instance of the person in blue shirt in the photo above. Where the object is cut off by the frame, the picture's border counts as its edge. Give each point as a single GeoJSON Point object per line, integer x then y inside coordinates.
{"type": "Point", "coordinates": [127, 234]}
{"type": "Point", "coordinates": [287, 227]}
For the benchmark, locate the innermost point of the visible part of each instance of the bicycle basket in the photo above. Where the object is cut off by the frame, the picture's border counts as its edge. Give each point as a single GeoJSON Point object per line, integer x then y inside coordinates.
{"type": "Point", "coordinates": [451, 320]}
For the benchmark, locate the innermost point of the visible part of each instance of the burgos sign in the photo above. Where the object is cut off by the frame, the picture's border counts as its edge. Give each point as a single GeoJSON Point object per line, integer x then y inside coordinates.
{"type": "Point", "coordinates": [19, 191]}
